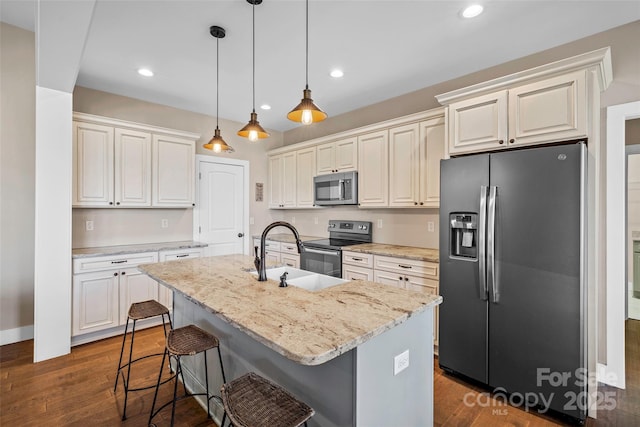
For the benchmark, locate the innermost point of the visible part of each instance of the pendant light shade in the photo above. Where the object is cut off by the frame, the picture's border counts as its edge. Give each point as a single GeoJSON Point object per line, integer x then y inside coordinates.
{"type": "Point", "coordinates": [307, 112]}
{"type": "Point", "coordinates": [216, 143]}
{"type": "Point", "coordinates": [253, 130]}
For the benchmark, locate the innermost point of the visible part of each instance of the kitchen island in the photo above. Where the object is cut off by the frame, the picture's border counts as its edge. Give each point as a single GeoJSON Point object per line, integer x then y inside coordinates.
{"type": "Point", "coordinates": [359, 353]}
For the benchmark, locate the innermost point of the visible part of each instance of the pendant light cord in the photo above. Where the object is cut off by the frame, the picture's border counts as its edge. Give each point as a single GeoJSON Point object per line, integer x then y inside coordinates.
{"type": "Point", "coordinates": [307, 47]}
{"type": "Point", "coordinates": [254, 56]}
{"type": "Point", "coordinates": [217, 78]}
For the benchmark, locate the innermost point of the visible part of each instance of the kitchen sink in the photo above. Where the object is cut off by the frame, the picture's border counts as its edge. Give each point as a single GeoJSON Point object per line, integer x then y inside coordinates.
{"type": "Point", "coordinates": [302, 278]}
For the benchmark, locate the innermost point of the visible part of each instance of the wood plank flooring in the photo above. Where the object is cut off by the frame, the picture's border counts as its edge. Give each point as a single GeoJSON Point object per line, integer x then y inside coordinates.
{"type": "Point", "coordinates": [77, 390]}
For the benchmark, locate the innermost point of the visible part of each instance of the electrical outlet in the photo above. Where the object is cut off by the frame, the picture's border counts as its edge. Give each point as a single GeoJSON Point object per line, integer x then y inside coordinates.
{"type": "Point", "coordinates": [430, 227]}
{"type": "Point", "coordinates": [315, 220]}
{"type": "Point", "coordinates": [379, 223]}
{"type": "Point", "coordinates": [165, 223]}
{"type": "Point", "coordinates": [89, 225]}
{"type": "Point", "coordinates": [252, 221]}
{"type": "Point", "coordinates": [401, 362]}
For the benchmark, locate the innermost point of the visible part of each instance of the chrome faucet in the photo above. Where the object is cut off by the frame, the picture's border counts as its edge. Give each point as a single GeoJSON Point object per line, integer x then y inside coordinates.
{"type": "Point", "coordinates": [260, 261]}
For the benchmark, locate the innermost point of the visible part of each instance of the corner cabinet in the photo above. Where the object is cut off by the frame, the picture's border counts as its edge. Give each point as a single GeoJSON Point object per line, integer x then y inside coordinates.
{"type": "Point", "coordinates": [551, 103]}
{"type": "Point", "coordinates": [119, 164]}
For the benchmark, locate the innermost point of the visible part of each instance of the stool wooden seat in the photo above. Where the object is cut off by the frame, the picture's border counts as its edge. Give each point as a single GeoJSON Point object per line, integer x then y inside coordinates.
{"type": "Point", "coordinates": [186, 341]}
{"type": "Point", "coordinates": [138, 311]}
{"type": "Point", "coordinates": [254, 401]}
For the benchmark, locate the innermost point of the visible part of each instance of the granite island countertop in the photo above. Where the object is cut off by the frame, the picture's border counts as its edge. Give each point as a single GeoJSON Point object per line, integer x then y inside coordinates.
{"type": "Point", "coordinates": [134, 249]}
{"type": "Point", "coordinates": [307, 327]}
{"type": "Point", "coordinates": [409, 252]}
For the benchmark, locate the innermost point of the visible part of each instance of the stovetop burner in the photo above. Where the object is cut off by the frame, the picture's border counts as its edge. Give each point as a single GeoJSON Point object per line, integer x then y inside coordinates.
{"type": "Point", "coordinates": [331, 243]}
{"type": "Point", "coordinates": [343, 233]}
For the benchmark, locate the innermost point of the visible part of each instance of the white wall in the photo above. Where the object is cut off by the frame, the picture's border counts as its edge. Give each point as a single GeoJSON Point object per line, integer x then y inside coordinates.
{"type": "Point", "coordinates": [17, 182]}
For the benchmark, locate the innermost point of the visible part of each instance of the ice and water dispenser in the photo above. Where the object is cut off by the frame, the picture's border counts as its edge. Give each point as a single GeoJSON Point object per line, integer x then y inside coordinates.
{"type": "Point", "coordinates": [464, 235]}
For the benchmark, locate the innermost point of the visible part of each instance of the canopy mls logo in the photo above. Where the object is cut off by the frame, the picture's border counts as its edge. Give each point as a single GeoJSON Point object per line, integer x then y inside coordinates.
{"type": "Point", "coordinates": [499, 400]}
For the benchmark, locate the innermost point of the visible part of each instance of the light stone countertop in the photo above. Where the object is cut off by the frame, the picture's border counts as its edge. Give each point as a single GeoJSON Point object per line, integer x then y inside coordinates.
{"type": "Point", "coordinates": [307, 327]}
{"type": "Point", "coordinates": [133, 249]}
{"type": "Point", "coordinates": [287, 237]}
{"type": "Point", "coordinates": [409, 252]}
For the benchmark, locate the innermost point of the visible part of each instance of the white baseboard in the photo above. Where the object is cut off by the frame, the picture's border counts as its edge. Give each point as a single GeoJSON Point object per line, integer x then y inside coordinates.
{"type": "Point", "coordinates": [10, 336]}
{"type": "Point", "coordinates": [605, 375]}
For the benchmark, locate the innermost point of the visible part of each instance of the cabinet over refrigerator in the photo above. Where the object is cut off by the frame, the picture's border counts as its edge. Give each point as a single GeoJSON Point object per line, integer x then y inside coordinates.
{"type": "Point", "coordinates": [512, 274]}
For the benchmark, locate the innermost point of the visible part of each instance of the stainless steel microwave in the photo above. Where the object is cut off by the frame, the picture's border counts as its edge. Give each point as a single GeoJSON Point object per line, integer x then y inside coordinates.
{"type": "Point", "coordinates": [336, 189]}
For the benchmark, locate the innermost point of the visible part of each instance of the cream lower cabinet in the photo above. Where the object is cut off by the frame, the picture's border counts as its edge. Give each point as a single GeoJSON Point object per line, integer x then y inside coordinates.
{"type": "Point", "coordinates": [289, 255]}
{"type": "Point", "coordinates": [544, 111]}
{"type": "Point", "coordinates": [271, 250]}
{"type": "Point", "coordinates": [104, 288]}
{"type": "Point", "coordinates": [165, 295]}
{"type": "Point", "coordinates": [373, 169]}
{"type": "Point", "coordinates": [415, 275]}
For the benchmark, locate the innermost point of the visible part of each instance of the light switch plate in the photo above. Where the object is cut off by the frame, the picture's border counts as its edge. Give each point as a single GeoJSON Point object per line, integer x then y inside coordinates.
{"type": "Point", "coordinates": [401, 362]}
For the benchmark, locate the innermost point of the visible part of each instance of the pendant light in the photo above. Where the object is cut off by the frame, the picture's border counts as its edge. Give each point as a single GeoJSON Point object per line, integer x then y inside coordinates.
{"type": "Point", "coordinates": [216, 143]}
{"type": "Point", "coordinates": [253, 130]}
{"type": "Point", "coordinates": [307, 112]}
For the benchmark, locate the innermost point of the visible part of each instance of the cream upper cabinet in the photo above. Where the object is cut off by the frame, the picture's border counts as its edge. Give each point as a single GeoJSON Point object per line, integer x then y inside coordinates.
{"type": "Point", "coordinates": [338, 156]}
{"type": "Point", "coordinates": [432, 144]}
{"type": "Point", "coordinates": [305, 171]}
{"type": "Point", "coordinates": [173, 171]}
{"type": "Point", "coordinates": [132, 168]}
{"type": "Point", "coordinates": [415, 151]}
{"type": "Point", "coordinates": [549, 110]}
{"type": "Point", "coordinates": [478, 124]}
{"type": "Point", "coordinates": [92, 165]}
{"type": "Point", "coordinates": [373, 169]}
{"type": "Point", "coordinates": [282, 180]}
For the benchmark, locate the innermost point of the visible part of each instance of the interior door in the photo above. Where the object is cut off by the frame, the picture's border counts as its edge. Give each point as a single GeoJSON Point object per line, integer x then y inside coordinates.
{"type": "Point", "coordinates": [221, 207]}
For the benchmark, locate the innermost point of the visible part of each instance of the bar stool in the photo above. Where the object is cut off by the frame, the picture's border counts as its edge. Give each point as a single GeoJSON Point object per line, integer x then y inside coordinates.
{"type": "Point", "coordinates": [254, 401]}
{"type": "Point", "coordinates": [138, 311]}
{"type": "Point", "coordinates": [186, 341]}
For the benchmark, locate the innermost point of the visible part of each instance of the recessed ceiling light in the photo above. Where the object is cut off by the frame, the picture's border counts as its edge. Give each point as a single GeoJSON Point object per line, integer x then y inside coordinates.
{"type": "Point", "coordinates": [336, 73]}
{"type": "Point", "coordinates": [265, 107]}
{"type": "Point", "coordinates": [472, 11]}
{"type": "Point", "coordinates": [145, 72]}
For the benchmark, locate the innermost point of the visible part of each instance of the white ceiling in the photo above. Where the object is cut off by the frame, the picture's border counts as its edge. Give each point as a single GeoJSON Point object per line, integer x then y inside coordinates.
{"type": "Point", "coordinates": [386, 48]}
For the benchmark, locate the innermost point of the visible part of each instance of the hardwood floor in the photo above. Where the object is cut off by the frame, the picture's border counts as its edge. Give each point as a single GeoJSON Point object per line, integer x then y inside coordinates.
{"type": "Point", "coordinates": [77, 390]}
{"type": "Point", "coordinates": [451, 410]}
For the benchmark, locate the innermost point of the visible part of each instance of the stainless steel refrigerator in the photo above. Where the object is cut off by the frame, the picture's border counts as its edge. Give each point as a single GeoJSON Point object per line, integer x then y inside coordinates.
{"type": "Point", "coordinates": [512, 274]}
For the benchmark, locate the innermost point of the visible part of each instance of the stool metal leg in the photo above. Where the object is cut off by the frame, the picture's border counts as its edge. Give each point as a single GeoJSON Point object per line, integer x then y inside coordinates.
{"type": "Point", "coordinates": [224, 379]}
{"type": "Point", "coordinates": [175, 388]}
{"type": "Point", "coordinates": [124, 337]}
{"type": "Point", "coordinates": [155, 395]}
{"type": "Point", "coordinates": [126, 381]}
{"type": "Point", "coordinates": [206, 380]}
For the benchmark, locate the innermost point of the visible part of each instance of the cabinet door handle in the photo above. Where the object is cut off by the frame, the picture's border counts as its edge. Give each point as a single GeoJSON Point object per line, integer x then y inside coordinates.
{"type": "Point", "coordinates": [122, 261]}
{"type": "Point", "coordinates": [415, 203]}
{"type": "Point", "coordinates": [111, 203]}
{"type": "Point", "coordinates": [512, 140]}
{"type": "Point", "coordinates": [118, 203]}
{"type": "Point", "coordinates": [193, 204]}
{"type": "Point", "coordinates": [404, 266]}
{"type": "Point", "coordinates": [400, 278]}
{"type": "Point", "coordinates": [115, 274]}
{"type": "Point", "coordinates": [406, 279]}
{"type": "Point", "coordinates": [123, 273]}
{"type": "Point", "coordinates": [421, 203]}
{"type": "Point", "coordinates": [501, 141]}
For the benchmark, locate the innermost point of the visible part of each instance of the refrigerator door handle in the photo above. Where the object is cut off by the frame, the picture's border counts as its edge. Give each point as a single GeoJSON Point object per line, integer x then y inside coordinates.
{"type": "Point", "coordinates": [482, 254]}
{"type": "Point", "coordinates": [491, 244]}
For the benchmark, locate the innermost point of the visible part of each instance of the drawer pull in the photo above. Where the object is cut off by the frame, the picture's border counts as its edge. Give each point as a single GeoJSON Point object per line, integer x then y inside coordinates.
{"type": "Point", "coordinates": [119, 262]}
{"type": "Point", "coordinates": [356, 259]}
{"type": "Point", "coordinates": [404, 266]}
{"type": "Point", "coordinates": [182, 255]}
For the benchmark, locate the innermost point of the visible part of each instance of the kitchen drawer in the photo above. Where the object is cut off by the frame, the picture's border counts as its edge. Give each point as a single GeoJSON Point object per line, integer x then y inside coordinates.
{"type": "Point", "coordinates": [290, 260]}
{"type": "Point", "coordinates": [419, 284]}
{"type": "Point", "coordinates": [180, 254]}
{"type": "Point", "coordinates": [357, 258]}
{"type": "Point", "coordinates": [269, 245]}
{"type": "Point", "coordinates": [89, 264]}
{"type": "Point", "coordinates": [352, 272]}
{"type": "Point", "coordinates": [406, 266]}
{"type": "Point", "coordinates": [289, 248]}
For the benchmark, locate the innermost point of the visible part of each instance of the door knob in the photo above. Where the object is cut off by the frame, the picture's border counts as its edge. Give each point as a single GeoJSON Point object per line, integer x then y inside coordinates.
{"type": "Point", "coordinates": [240, 234]}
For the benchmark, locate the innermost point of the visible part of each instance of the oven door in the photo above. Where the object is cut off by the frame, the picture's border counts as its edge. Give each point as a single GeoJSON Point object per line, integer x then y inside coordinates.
{"type": "Point", "coordinates": [323, 261]}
